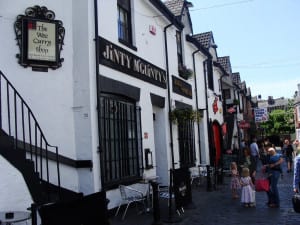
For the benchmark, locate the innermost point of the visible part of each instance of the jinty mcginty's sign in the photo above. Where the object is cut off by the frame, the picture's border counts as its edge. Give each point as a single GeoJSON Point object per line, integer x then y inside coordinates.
{"type": "Point", "coordinates": [122, 60]}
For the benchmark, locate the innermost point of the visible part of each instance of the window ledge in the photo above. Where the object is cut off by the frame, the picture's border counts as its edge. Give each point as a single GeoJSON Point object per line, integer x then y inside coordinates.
{"type": "Point", "coordinates": [129, 45]}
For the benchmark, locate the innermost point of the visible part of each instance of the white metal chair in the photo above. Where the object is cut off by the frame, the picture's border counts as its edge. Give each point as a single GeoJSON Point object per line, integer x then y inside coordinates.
{"type": "Point", "coordinates": [130, 195]}
{"type": "Point", "coordinates": [198, 174]}
{"type": "Point", "coordinates": [164, 194]}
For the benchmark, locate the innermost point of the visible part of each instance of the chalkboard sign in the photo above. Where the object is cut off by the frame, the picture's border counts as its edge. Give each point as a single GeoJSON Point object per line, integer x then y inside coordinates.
{"type": "Point", "coordinates": [182, 187]}
{"type": "Point", "coordinates": [227, 159]}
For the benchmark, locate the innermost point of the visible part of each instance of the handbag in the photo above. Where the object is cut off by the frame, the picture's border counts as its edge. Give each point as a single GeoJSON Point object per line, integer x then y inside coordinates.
{"type": "Point", "coordinates": [262, 184]}
{"type": "Point", "coordinates": [296, 202]}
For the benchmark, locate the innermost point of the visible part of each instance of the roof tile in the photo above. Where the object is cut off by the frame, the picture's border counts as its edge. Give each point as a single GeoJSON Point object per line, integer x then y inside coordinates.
{"type": "Point", "coordinates": [175, 6]}
{"type": "Point", "coordinates": [204, 39]}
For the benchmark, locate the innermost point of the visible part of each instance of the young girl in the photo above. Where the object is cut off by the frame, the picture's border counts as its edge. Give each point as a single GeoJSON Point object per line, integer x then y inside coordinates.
{"type": "Point", "coordinates": [247, 196]}
{"type": "Point", "coordinates": [235, 180]}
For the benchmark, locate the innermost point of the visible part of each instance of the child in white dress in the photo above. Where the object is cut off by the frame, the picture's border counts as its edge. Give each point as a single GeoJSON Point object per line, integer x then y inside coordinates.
{"type": "Point", "coordinates": [247, 196]}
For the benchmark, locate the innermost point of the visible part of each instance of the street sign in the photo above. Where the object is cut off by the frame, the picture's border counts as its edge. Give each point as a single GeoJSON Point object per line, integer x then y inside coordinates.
{"type": "Point", "coordinates": [261, 114]}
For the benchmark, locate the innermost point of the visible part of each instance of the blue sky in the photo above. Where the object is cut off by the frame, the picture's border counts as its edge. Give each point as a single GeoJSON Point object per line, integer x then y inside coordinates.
{"type": "Point", "coordinates": [262, 38]}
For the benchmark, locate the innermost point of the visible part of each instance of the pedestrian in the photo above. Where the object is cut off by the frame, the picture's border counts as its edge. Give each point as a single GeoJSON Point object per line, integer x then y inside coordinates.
{"type": "Point", "coordinates": [248, 162]}
{"type": "Point", "coordinates": [273, 168]}
{"type": "Point", "coordinates": [296, 180]}
{"type": "Point", "coordinates": [262, 152]}
{"type": "Point", "coordinates": [288, 153]}
{"type": "Point", "coordinates": [247, 193]}
{"type": "Point", "coordinates": [243, 144]}
{"type": "Point", "coordinates": [235, 180]}
{"type": "Point", "coordinates": [254, 154]}
{"type": "Point", "coordinates": [296, 147]}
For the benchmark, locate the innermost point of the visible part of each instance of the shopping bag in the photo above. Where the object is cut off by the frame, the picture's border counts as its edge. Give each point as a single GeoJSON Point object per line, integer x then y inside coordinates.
{"type": "Point", "coordinates": [296, 202]}
{"type": "Point", "coordinates": [262, 184]}
{"type": "Point", "coordinates": [253, 197]}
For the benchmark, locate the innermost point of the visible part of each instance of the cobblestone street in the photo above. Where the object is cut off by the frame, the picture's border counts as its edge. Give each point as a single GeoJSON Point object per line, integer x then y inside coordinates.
{"type": "Point", "coordinates": [217, 207]}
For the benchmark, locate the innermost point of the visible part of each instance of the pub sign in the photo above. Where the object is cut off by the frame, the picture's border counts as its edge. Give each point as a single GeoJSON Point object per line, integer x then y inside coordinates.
{"type": "Point", "coordinates": [40, 39]}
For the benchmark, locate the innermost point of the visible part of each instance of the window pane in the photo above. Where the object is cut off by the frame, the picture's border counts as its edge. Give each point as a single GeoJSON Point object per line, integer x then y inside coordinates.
{"type": "Point", "coordinates": [119, 143]}
{"type": "Point", "coordinates": [186, 138]}
{"type": "Point", "coordinates": [124, 4]}
{"type": "Point", "coordinates": [123, 24]}
{"type": "Point", "coordinates": [179, 48]}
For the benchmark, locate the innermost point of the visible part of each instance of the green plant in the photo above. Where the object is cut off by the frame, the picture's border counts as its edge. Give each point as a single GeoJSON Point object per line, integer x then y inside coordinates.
{"type": "Point", "coordinates": [236, 102]}
{"type": "Point", "coordinates": [185, 72]}
{"type": "Point", "coordinates": [185, 114]}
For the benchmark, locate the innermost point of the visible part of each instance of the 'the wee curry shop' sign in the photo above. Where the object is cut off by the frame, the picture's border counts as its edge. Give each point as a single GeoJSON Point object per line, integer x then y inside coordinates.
{"type": "Point", "coordinates": [40, 39]}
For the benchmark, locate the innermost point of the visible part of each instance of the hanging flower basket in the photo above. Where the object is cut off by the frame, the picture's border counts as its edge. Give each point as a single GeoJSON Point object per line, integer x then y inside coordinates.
{"type": "Point", "coordinates": [185, 72]}
{"type": "Point", "coordinates": [186, 114]}
{"type": "Point", "coordinates": [236, 102]}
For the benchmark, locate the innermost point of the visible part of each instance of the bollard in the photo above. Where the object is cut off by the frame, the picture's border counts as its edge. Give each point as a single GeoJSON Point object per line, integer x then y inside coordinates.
{"type": "Point", "coordinates": [208, 179]}
{"type": "Point", "coordinates": [34, 211]}
{"type": "Point", "coordinates": [155, 202]}
{"type": "Point", "coordinates": [220, 175]}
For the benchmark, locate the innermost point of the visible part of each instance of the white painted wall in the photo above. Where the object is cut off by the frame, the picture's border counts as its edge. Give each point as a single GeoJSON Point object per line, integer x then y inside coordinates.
{"type": "Point", "coordinates": [14, 194]}
{"type": "Point", "coordinates": [152, 49]}
{"type": "Point", "coordinates": [64, 100]}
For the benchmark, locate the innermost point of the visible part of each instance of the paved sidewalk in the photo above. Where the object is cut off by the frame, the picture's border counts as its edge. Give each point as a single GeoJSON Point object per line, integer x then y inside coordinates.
{"type": "Point", "coordinates": [217, 207]}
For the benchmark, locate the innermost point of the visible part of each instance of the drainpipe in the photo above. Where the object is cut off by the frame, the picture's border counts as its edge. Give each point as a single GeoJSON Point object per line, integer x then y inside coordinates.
{"type": "Point", "coordinates": [170, 219]}
{"type": "Point", "coordinates": [209, 181]}
{"type": "Point", "coordinates": [98, 87]}
{"type": "Point", "coordinates": [169, 94]}
{"type": "Point", "coordinates": [197, 106]}
{"type": "Point", "coordinates": [206, 103]}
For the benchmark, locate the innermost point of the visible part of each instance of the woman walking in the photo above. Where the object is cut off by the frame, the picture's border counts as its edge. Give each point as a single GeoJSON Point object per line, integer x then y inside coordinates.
{"type": "Point", "coordinates": [273, 169]}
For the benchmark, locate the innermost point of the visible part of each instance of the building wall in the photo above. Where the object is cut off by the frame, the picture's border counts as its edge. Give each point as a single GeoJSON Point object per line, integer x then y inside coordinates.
{"type": "Point", "coordinates": [64, 100]}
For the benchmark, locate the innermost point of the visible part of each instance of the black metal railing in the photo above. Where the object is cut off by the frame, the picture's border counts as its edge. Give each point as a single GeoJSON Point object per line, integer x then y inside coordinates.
{"type": "Point", "coordinates": [18, 121]}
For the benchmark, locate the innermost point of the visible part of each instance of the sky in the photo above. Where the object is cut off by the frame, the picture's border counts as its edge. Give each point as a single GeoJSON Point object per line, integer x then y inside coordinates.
{"type": "Point", "coordinates": [261, 37]}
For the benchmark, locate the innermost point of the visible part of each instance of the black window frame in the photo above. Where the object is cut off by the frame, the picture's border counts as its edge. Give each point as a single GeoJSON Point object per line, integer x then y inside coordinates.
{"type": "Point", "coordinates": [120, 141]}
{"type": "Point", "coordinates": [226, 94]}
{"type": "Point", "coordinates": [186, 139]}
{"type": "Point", "coordinates": [210, 76]}
{"type": "Point", "coordinates": [179, 49]}
{"type": "Point", "coordinates": [125, 34]}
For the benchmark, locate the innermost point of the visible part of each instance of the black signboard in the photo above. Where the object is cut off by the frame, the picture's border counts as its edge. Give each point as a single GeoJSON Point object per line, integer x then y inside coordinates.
{"type": "Point", "coordinates": [115, 57]}
{"type": "Point", "coordinates": [40, 39]}
{"type": "Point", "coordinates": [182, 187]}
{"type": "Point", "coordinates": [182, 88]}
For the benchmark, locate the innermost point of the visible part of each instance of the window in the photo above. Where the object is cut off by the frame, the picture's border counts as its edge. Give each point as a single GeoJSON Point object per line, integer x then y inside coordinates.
{"type": "Point", "coordinates": [124, 22]}
{"type": "Point", "coordinates": [226, 94]}
{"type": "Point", "coordinates": [120, 139]}
{"type": "Point", "coordinates": [186, 138]}
{"type": "Point", "coordinates": [210, 75]}
{"type": "Point", "coordinates": [179, 49]}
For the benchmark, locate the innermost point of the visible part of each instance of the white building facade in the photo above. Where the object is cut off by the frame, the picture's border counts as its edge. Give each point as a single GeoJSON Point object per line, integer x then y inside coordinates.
{"type": "Point", "coordinates": [107, 104]}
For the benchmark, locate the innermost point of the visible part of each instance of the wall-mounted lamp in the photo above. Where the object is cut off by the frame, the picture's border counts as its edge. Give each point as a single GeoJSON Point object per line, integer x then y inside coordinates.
{"type": "Point", "coordinates": [148, 159]}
